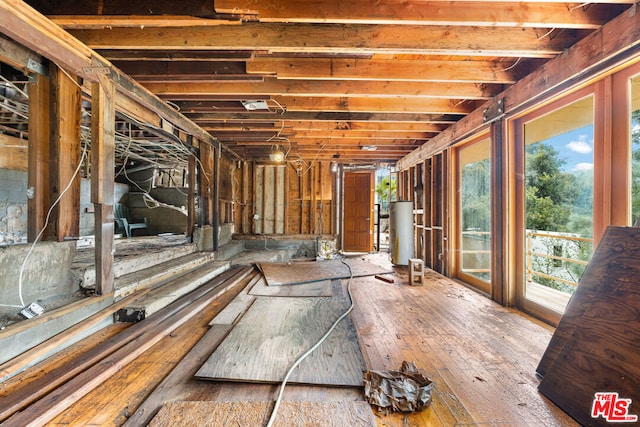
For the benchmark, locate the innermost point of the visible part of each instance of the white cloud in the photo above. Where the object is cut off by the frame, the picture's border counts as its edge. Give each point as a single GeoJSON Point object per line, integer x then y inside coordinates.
{"type": "Point", "coordinates": [581, 146]}
{"type": "Point", "coordinates": [583, 167]}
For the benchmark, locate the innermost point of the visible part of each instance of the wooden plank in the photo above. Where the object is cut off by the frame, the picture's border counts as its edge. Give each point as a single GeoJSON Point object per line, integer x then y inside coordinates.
{"type": "Point", "coordinates": [291, 414]}
{"type": "Point", "coordinates": [538, 15]}
{"type": "Point", "coordinates": [66, 98]}
{"type": "Point", "coordinates": [191, 196]}
{"type": "Point", "coordinates": [179, 375]}
{"type": "Point", "coordinates": [27, 358]}
{"type": "Point", "coordinates": [236, 308]}
{"type": "Point", "coordinates": [102, 179]}
{"type": "Point", "coordinates": [275, 332]}
{"type": "Point", "coordinates": [382, 69]}
{"type": "Point", "coordinates": [336, 38]}
{"type": "Point", "coordinates": [596, 346]}
{"type": "Point", "coordinates": [313, 289]}
{"type": "Point", "coordinates": [65, 395]}
{"type": "Point", "coordinates": [20, 399]}
{"type": "Point", "coordinates": [344, 88]}
{"type": "Point", "coordinates": [39, 157]}
{"type": "Point", "coordinates": [278, 274]}
{"type": "Point", "coordinates": [14, 153]}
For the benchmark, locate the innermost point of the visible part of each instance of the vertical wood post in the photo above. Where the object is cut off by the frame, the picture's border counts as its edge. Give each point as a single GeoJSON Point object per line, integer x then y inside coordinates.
{"type": "Point", "coordinates": [191, 196]}
{"type": "Point", "coordinates": [498, 207]}
{"type": "Point", "coordinates": [65, 153]}
{"type": "Point", "coordinates": [39, 166]}
{"type": "Point", "coordinates": [216, 197]}
{"type": "Point", "coordinates": [102, 179]}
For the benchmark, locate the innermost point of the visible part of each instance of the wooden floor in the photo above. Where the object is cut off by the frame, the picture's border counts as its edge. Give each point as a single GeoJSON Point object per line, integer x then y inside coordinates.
{"type": "Point", "coordinates": [481, 357]}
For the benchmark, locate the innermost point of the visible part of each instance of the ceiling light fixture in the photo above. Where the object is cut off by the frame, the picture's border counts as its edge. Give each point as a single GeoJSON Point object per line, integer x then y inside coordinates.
{"type": "Point", "coordinates": [276, 155]}
{"type": "Point", "coordinates": [369, 148]}
{"type": "Point", "coordinates": [255, 105]}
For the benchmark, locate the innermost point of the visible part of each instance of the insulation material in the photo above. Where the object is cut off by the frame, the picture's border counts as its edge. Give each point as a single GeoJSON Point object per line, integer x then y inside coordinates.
{"type": "Point", "coordinates": [404, 390]}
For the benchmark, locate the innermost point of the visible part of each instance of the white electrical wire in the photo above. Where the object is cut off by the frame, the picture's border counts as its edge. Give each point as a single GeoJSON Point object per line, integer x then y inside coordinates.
{"type": "Point", "coordinates": [46, 222]}
{"type": "Point", "coordinates": [274, 412]}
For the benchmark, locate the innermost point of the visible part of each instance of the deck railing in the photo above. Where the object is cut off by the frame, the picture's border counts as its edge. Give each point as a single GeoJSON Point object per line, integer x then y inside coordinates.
{"type": "Point", "coordinates": [566, 250]}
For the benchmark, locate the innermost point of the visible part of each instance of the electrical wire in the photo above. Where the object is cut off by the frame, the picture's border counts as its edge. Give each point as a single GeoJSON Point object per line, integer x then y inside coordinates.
{"type": "Point", "coordinates": [274, 412]}
{"type": "Point", "coordinates": [46, 222]}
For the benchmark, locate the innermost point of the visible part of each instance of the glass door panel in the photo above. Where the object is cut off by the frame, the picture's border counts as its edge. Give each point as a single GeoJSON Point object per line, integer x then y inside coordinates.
{"type": "Point", "coordinates": [558, 198]}
{"type": "Point", "coordinates": [474, 263]}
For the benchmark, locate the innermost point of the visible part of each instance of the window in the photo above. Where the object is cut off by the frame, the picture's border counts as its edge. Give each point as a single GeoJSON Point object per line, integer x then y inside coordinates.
{"type": "Point", "coordinates": [558, 202]}
{"type": "Point", "coordinates": [474, 213]}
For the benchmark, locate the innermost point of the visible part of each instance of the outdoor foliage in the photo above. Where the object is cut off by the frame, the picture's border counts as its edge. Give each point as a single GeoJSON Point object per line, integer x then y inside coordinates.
{"type": "Point", "coordinates": [560, 203]}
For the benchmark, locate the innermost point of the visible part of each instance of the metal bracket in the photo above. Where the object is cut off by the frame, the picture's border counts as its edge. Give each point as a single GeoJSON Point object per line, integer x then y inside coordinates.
{"type": "Point", "coordinates": [96, 70]}
{"type": "Point", "coordinates": [494, 111]}
{"type": "Point", "coordinates": [37, 67]}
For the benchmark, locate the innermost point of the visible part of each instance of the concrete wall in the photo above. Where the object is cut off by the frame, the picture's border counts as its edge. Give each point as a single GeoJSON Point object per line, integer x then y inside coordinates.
{"type": "Point", "coordinates": [13, 207]}
{"type": "Point", "coordinates": [46, 276]}
{"type": "Point", "coordinates": [161, 219]}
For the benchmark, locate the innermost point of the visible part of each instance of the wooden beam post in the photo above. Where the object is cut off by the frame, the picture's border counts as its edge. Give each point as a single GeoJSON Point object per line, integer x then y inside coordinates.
{"type": "Point", "coordinates": [39, 163]}
{"type": "Point", "coordinates": [499, 291]}
{"type": "Point", "coordinates": [215, 223]}
{"type": "Point", "coordinates": [191, 194]}
{"type": "Point", "coordinates": [65, 153]}
{"type": "Point", "coordinates": [103, 115]}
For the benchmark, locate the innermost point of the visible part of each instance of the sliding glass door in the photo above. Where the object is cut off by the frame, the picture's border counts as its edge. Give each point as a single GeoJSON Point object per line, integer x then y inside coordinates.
{"type": "Point", "coordinates": [474, 214]}
{"type": "Point", "coordinates": [556, 195]}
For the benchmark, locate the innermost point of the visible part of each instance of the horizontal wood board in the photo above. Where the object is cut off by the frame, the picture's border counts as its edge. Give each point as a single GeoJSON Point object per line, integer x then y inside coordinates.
{"type": "Point", "coordinates": [596, 347]}
{"type": "Point", "coordinates": [292, 273]}
{"type": "Point", "coordinates": [290, 414]}
{"type": "Point", "coordinates": [276, 331]}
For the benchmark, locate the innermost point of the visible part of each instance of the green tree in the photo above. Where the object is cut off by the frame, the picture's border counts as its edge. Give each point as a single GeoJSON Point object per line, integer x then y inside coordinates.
{"type": "Point", "coordinates": [476, 202]}
{"type": "Point", "coordinates": [550, 192]}
{"type": "Point", "coordinates": [383, 190]}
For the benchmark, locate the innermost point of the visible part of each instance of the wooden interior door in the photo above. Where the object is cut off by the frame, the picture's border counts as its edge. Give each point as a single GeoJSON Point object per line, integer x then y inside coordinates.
{"type": "Point", "coordinates": [358, 212]}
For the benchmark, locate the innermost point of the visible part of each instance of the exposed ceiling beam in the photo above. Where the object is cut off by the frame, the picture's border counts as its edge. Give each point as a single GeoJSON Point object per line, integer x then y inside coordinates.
{"type": "Point", "coordinates": [330, 116]}
{"type": "Point", "coordinates": [443, 40]}
{"type": "Point", "coordinates": [381, 105]}
{"type": "Point", "coordinates": [374, 89]}
{"type": "Point", "coordinates": [474, 13]}
{"type": "Point", "coordinates": [386, 69]}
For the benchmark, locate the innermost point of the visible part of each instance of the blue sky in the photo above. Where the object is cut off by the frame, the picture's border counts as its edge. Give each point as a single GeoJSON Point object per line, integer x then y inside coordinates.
{"type": "Point", "coordinates": [576, 148]}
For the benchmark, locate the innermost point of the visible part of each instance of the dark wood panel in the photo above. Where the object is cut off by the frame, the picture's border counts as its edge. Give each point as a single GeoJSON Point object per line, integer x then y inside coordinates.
{"type": "Point", "coordinates": [596, 347]}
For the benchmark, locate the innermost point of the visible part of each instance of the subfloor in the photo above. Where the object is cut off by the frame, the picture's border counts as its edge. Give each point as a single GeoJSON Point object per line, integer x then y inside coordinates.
{"type": "Point", "coordinates": [480, 356]}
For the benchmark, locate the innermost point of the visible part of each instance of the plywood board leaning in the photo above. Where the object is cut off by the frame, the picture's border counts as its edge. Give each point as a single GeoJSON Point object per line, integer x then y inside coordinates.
{"type": "Point", "coordinates": [196, 414]}
{"type": "Point", "coordinates": [276, 331]}
{"type": "Point", "coordinates": [596, 347]}
{"type": "Point", "coordinates": [292, 273]}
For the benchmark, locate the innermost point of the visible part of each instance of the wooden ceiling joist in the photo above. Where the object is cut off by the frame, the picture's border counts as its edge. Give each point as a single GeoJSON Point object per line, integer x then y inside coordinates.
{"type": "Point", "coordinates": [374, 89]}
{"type": "Point", "coordinates": [387, 70]}
{"type": "Point", "coordinates": [339, 38]}
{"type": "Point", "coordinates": [473, 13]}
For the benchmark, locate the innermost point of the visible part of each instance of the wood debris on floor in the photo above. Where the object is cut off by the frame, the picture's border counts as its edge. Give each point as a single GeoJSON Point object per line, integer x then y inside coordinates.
{"type": "Point", "coordinates": [291, 414]}
{"type": "Point", "coordinates": [292, 273]}
{"type": "Point", "coordinates": [276, 331]}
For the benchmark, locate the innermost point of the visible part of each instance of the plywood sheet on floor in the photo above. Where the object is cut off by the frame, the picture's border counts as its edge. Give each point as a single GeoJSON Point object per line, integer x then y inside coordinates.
{"type": "Point", "coordinates": [290, 414]}
{"type": "Point", "coordinates": [276, 331]}
{"type": "Point", "coordinates": [292, 273]}
{"type": "Point", "coordinates": [313, 289]}
{"type": "Point", "coordinates": [596, 347]}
